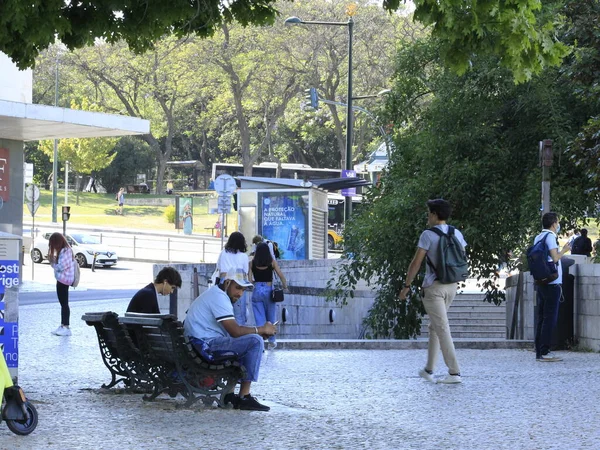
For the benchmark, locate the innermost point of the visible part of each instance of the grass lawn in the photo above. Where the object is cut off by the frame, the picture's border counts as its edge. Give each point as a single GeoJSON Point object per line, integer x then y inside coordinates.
{"type": "Point", "coordinates": [100, 209]}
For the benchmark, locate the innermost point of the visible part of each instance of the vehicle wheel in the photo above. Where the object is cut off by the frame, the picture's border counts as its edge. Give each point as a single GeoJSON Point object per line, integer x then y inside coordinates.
{"type": "Point", "coordinates": [81, 260]}
{"type": "Point", "coordinates": [330, 243]}
{"type": "Point", "coordinates": [36, 256]}
{"type": "Point", "coordinates": [24, 427]}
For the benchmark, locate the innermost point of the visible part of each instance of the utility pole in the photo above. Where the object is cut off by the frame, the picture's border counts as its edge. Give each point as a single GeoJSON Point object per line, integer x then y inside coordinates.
{"type": "Point", "coordinates": [546, 156]}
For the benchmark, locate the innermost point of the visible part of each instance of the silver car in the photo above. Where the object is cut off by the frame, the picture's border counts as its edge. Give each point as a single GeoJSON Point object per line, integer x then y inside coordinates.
{"type": "Point", "coordinates": [84, 247]}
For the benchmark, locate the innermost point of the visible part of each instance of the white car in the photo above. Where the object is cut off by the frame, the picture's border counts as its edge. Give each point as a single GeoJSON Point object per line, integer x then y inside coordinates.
{"type": "Point", "coordinates": [84, 246]}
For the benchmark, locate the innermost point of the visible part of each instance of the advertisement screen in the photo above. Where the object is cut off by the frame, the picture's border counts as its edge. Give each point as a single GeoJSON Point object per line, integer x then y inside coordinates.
{"type": "Point", "coordinates": [283, 218]}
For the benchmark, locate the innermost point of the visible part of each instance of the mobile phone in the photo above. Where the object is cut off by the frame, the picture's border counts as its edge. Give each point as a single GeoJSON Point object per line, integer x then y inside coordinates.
{"type": "Point", "coordinates": [276, 322]}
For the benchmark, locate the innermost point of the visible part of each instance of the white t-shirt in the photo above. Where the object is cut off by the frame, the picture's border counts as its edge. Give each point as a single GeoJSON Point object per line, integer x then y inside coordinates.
{"type": "Point", "coordinates": [429, 241]}
{"type": "Point", "coordinates": [203, 320]}
{"type": "Point", "coordinates": [232, 261]}
{"type": "Point", "coordinates": [551, 242]}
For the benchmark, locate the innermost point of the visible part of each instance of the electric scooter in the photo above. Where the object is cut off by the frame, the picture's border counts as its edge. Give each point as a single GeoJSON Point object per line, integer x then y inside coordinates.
{"type": "Point", "coordinates": [20, 416]}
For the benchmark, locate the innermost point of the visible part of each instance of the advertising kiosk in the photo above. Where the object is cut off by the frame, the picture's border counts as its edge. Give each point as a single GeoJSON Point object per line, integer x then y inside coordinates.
{"type": "Point", "coordinates": [291, 212]}
{"type": "Point", "coordinates": [10, 264]}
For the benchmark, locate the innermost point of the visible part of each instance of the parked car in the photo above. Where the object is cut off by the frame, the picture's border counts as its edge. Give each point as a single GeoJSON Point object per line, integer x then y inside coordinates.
{"type": "Point", "coordinates": [84, 246]}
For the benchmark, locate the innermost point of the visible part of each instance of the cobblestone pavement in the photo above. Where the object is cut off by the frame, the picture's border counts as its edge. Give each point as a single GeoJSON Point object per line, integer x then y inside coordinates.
{"type": "Point", "coordinates": [320, 399]}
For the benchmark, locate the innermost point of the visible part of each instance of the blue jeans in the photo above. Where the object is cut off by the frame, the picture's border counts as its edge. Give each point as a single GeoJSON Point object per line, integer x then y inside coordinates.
{"type": "Point", "coordinates": [263, 307]}
{"type": "Point", "coordinates": [249, 348]}
{"type": "Point", "coordinates": [239, 310]}
{"type": "Point", "coordinates": [548, 297]}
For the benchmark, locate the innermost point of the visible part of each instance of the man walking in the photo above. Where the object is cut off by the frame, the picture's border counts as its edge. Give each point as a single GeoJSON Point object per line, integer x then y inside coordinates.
{"type": "Point", "coordinates": [548, 295]}
{"type": "Point", "coordinates": [211, 319]}
{"type": "Point", "coordinates": [437, 297]}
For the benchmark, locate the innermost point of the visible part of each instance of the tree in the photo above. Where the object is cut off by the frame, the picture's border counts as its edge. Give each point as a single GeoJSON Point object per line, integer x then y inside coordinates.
{"type": "Point", "coordinates": [473, 141]}
{"type": "Point", "coordinates": [25, 31]}
{"type": "Point", "coordinates": [131, 156]}
{"type": "Point", "coordinates": [520, 33]}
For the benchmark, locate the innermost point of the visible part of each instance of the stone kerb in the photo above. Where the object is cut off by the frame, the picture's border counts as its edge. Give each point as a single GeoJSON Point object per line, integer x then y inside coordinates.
{"type": "Point", "coordinates": [305, 313]}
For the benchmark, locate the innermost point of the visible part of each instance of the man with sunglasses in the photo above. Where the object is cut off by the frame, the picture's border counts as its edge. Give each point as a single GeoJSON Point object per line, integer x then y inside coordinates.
{"type": "Point", "coordinates": [146, 299]}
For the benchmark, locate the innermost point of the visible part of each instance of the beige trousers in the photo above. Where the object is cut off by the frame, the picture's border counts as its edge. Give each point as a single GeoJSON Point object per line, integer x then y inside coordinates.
{"type": "Point", "coordinates": [437, 300]}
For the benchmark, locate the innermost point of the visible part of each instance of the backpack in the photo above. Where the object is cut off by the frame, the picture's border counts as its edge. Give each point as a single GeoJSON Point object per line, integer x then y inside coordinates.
{"type": "Point", "coordinates": [579, 247]}
{"type": "Point", "coordinates": [452, 266]}
{"type": "Point", "coordinates": [542, 270]}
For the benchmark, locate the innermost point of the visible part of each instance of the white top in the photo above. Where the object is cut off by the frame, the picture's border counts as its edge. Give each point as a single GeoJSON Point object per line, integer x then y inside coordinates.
{"type": "Point", "coordinates": [203, 319]}
{"type": "Point", "coordinates": [232, 261]}
{"type": "Point", "coordinates": [551, 242]}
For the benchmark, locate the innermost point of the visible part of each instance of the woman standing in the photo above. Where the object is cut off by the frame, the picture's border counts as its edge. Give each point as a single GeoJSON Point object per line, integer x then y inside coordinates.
{"type": "Point", "coordinates": [61, 258]}
{"type": "Point", "coordinates": [261, 269]}
{"type": "Point", "coordinates": [121, 200]}
{"type": "Point", "coordinates": [234, 258]}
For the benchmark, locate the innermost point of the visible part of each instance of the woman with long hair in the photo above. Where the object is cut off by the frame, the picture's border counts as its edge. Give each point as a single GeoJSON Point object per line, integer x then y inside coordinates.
{"type": "Point", "coordinates": [61, 258]}
{"type": "Point", "coordinates": [261, 269]}
{"type": "Point", "coordinates": [232, 258]}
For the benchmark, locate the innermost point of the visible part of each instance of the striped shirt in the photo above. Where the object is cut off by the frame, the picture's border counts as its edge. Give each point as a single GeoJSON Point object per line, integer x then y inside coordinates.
{"type": "Point", "coordinates": [64, 268]}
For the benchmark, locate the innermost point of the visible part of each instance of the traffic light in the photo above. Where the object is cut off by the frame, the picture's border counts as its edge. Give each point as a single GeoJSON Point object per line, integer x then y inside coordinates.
{"type": "Point", "coordinates": [313, 96]}
{"type": "Point", "coordinates": [66, 213]}
{"type": "Point", "coordinates": [235, 206]}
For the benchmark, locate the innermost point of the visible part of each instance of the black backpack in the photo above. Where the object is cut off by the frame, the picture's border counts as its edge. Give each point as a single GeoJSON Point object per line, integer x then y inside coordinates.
{"type": "Point", "coordinates": [542, 270]}
{"type": "Point", "coordinates": [452, 266]}
{"type": "Point", "coordinates": [579, 246]}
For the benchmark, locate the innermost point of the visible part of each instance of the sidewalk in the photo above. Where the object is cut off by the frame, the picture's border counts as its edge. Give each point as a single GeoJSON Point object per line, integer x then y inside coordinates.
{"type": "Point", "coordinates": [320, 399]}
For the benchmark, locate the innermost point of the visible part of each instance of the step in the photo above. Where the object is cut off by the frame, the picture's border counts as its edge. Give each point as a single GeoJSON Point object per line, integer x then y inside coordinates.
{"type": "Point", "coordinates": [472, 335]}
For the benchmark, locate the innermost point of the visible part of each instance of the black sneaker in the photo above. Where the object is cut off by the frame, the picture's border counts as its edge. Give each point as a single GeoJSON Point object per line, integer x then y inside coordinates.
{"type": "Point", "coordinates": [231, 398]}
{"type": "Point", "coordinates": [249, 403]}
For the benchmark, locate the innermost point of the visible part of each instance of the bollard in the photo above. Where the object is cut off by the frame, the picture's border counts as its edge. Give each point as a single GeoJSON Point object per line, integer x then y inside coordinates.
{"type": "Point", "coordinates": [134, 245]}
{"type": "Point", "coordinates": [94, 262]}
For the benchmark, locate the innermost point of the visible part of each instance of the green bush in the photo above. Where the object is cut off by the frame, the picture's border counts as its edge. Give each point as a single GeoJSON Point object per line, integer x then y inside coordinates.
{"type": "Point", "coordinates": [170, 213]}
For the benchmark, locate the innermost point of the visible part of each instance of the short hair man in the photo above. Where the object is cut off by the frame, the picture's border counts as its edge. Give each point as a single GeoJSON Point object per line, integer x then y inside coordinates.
{"type": "Point", "coordinates": [582, 245]}
{"type": "Point", "coordinates": [146, 299]}
{"type": "Point", "coordinates": [548, 295]}
{"type": "Point", "coordinates": [437, 296]}
{"type": "Point", "coordinates": [211, 319]}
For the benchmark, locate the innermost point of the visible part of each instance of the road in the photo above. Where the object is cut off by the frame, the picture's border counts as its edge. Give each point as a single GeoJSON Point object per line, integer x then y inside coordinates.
{"type": "Point", "coordinates": [119, 282]}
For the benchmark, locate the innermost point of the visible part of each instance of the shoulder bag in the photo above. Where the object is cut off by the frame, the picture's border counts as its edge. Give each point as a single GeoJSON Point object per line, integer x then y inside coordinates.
{"type": "Point", "coordinates": [277, 293]}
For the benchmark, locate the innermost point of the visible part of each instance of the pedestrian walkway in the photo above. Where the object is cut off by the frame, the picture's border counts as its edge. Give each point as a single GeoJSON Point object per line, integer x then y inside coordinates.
{"type": "Point", "coordinates": [320, 399]}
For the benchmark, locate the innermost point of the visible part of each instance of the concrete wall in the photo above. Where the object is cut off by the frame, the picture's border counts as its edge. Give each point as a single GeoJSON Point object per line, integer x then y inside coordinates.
{"type": "Point", "coordinates": [150, 201]}
{"type": "Point", "coordinates": [11, 211]}
{"type": "Point", "coordinates": [586, 308]}
{"type": "Point", "coordinates": [15, 85]}
{"type": "Point", "coordinates": [307, 313]}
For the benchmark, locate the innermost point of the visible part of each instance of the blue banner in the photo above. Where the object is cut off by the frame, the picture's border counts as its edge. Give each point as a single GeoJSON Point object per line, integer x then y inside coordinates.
{"type": "Point", "coordinates": [9, 274]}
{"type": "Point", "coordinates": [283, 218]}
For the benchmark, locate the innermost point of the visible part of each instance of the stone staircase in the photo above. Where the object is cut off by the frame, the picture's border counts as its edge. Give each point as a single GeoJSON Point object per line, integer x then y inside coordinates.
{"type": "Point", "coordinates": [473, 318]}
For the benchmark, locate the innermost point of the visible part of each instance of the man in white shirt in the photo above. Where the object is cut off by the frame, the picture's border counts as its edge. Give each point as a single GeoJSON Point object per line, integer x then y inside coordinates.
{"type": "Point", "coordinates": [548, 295]}
{"type": "Point", "coordinates": [211, 319]}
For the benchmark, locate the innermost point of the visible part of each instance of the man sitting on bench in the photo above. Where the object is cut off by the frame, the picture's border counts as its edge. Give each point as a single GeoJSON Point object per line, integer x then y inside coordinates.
{"type": "Point", "coordinates": [211, 319]}
{"type": "Point", "coordinates": [146, 299]}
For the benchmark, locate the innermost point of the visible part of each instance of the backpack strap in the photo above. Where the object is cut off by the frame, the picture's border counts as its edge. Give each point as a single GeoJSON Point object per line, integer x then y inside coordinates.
{"type": "Point", "coordinates": [440, 233]}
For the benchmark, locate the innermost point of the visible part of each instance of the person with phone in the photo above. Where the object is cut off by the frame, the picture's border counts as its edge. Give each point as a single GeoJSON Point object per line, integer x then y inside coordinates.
{"type": "Point", "coordinates": [211, 321]}
{"type": "Point", "coordinates": [261, 268]}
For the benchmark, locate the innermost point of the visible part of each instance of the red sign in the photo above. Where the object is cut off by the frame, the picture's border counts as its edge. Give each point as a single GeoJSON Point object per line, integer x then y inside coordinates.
{"type": "Point", "coordinates": [4, 174]}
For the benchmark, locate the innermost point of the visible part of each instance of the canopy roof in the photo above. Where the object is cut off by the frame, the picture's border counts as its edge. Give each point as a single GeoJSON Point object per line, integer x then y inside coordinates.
{"type": "Point", "coordinates": [30, 122]}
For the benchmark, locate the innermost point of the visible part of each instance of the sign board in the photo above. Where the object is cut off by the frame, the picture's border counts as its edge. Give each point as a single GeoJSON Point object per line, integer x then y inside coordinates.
{"type": "Point", "coordinates": [28, 173]}
{"type": "Point", "coordinates": [224, 204]}
{"type": "Point", "coordinates": [9, 280]}
{"type": "Point", "coordinates": [225, 185]}
{"type": "Point", "coordinates": [32, 193]}
{"type": "Point", "coordinates": [4, 174]}
{"type": "Point", "coordinates": [33, 207]}
{"type": "Point", "coordinates": [348, 192]}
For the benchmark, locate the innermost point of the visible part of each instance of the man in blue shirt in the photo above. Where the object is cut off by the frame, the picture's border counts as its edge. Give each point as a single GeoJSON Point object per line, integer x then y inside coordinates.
{"type": "Point", "coordinates": [211, 319]}
{"type": "Point", "coordinates": [548, 295]}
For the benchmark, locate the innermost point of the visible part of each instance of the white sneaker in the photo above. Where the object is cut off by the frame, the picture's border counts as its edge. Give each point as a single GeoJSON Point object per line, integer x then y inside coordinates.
{"type": "Point", "coordinates": [550, 357]}
{"type": "Point", "coordinates": [426, 375]}
{"type": "Point", "coordinates": [272, 345]}
{"type": "Point", "coordinates": [55, 332]}
{"type": "Point", "coordinates": [451, 379]}
{"type": "Point", "coordinates": [62, 331]}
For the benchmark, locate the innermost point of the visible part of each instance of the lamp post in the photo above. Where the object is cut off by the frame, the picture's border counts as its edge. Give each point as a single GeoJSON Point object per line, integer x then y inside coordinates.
{"type": "Point", "coordinates": [350, 24]}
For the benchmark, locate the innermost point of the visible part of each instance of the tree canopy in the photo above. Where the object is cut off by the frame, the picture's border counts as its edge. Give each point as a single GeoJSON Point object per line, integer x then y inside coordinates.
{"type": "Point", "coordinates": [26, 28]}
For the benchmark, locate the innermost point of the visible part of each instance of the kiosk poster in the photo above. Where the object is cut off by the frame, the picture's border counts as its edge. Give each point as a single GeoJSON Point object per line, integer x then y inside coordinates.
{"type": "Point", "coordinates": [9, 278]}
{"type": "Point", "coordinates": [283, 218]}
{"type": "Point", "coordinates": [186, 214]}
{"type": "Point", "coordinates": [4, 174]}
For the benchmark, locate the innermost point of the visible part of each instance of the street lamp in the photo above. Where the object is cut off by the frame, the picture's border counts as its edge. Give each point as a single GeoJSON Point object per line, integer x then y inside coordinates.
{"type": "Point", "coordinates": [350, 24]}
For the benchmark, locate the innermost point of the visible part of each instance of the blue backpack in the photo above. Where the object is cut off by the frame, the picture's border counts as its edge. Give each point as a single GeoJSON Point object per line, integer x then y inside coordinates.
{"type": "Point", "coordinates": [542, 270]}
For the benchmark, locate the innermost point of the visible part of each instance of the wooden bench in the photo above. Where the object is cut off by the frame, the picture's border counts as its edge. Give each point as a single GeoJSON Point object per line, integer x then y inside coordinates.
{"type": "Point", "coordinates": [171, 363]}
{"type": "Point", "coordinates": [212, 230]}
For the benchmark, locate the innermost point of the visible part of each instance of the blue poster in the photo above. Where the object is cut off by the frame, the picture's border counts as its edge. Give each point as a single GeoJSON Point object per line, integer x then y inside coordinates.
{"type": "Point", "coordinates": [9, 274]}
{"type": "Point", "coordinates": [283, 218]}
{"type": "Point", "coordinates": [9, 277]}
